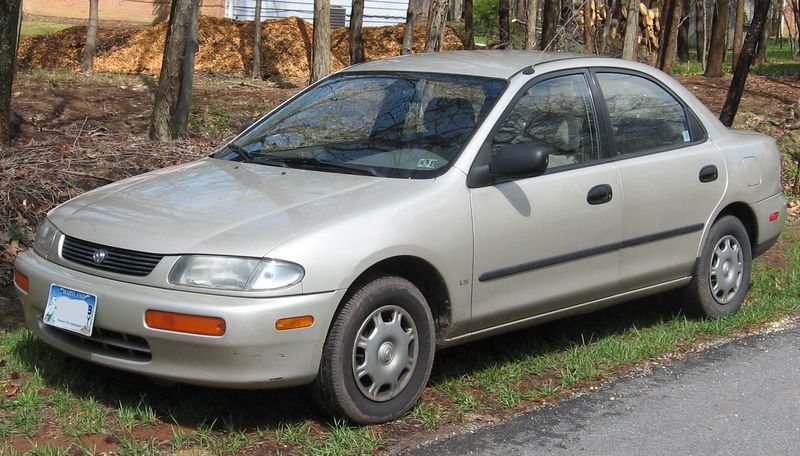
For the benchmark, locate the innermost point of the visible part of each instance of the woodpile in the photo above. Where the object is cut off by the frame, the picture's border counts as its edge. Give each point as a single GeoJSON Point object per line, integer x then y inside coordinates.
{"type": "Point", "coordinates": [649, 21]}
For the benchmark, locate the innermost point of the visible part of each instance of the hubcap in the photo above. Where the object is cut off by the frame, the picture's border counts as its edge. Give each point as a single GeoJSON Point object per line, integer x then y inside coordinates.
{"type": "Point", "coordinates": [727, 266]}
{"type": "Point", "coordinates": [385, 353]}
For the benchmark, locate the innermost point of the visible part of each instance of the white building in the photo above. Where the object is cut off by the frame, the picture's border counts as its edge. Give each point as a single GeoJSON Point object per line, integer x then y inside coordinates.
{"type": "Point", "coordinates": [376, 12]}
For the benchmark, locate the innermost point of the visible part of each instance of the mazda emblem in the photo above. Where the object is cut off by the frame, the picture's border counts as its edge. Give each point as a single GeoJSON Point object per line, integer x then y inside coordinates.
{"type": "Point", "coordinates": [99, 256]}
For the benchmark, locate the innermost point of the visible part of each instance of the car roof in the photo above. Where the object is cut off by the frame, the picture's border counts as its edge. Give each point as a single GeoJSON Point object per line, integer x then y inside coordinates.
{"type": "Point", "coordinates": [494, 63]}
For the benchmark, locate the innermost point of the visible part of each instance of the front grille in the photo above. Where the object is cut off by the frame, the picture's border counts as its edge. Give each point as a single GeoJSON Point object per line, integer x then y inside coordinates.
{"type": "Point", "coordinates": [105, 342]}
{"type": "Point", "coordinates": [121, 261]}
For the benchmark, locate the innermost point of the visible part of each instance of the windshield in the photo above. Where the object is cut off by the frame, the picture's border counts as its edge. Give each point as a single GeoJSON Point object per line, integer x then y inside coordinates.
{"type": "Point", "coordinates": [405, 125]}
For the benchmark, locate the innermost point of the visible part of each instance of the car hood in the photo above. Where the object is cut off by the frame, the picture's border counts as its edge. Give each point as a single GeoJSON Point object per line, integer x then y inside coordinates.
{"type": "Point", "coordinates": [221, 207]}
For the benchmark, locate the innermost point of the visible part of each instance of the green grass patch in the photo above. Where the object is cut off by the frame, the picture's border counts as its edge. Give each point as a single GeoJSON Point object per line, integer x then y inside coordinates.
{"type": "Point", "coordinates": [39, 27]}
{"type": "Point", "coordinates": [62, 396]}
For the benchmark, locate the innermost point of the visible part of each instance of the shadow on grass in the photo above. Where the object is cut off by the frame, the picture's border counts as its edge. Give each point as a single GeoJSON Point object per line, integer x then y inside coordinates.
{"type": "Point", "coordinates": [243, 410]}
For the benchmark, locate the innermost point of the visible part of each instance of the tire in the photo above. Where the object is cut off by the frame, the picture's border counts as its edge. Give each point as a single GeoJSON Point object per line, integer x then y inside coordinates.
{"type": "Point", "coordinates": [393, 323]}
{"type": "Point", "coordinates": [721, 277]}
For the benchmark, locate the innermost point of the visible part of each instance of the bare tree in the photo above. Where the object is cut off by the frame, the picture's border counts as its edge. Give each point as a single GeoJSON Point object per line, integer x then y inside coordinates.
{"type": "Point", "coordinates": [356, 41]}
{"type": "Point", "coordinates": [321, 46]}
{"type": "Point", "coordinates": [719, 30]}
{"type": "Point", "coordinates": [701, 37]}
{"type": "Point", "coordinates": [257, 42]}
{"type": "Point", "coordinates": [669, 42]}
{"type": "Point", "coordinates": [588, 29]}
{"type": "Point", "coordinates": [631, 31]}
{"type": "Point", "coordinates": [503, 23]}
{"type": "Point", "coordinates": [91, 38]}
{"type": "Point", "coordinates": [683, 32]}
{"type": "Point", "coordinates": [763, 44]}
{"type": "Point", "coordinates": [530, 24]}
{"type": "Point", "coordinates": [738, 31]}
{"type": "Point", "coordinates": [742, 68]}
{"type": "Point", "coordinates": [408, 31]}
{"type": "Point", "coordinates": [469, 26]}
{"type": "Point", "coordinates": [10, 18]}
{"type": "Point", "coordinates": [550, 20]}
{"type": "Point", "coordinates": [180, 119]}
{"type": "Point", "coordinates": [170, 80]}
{"type": "Point", "coordinates": [437, 16]}
{"type": "Point", "coordinates": [610, 9]}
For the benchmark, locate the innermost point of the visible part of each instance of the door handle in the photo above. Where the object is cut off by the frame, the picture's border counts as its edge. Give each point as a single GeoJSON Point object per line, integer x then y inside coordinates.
{"type": "Point", "coordinates": [599, 194]}
{"type": "Point", "coordinates": [708, 173]}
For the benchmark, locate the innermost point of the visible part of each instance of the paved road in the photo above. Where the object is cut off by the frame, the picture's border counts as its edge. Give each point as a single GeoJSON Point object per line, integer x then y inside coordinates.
{"type": "Point", "coordinates": [739, 399]}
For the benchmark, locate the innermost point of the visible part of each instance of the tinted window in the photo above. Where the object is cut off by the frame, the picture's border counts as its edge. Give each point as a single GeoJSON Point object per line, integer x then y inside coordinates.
{"type": "Point", "coordinates": [557, 113]}
{"type": "Point", "coordinates": [645, 117]}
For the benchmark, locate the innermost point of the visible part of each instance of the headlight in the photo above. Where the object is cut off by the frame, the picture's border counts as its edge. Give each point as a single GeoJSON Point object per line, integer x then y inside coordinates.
{"type": "Point", "coordinates": [236, 274]}
{"type": "Point", "coordinates": [46, 236]}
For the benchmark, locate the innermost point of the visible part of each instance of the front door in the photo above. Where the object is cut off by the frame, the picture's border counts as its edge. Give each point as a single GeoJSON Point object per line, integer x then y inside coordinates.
{"type": "Point", "coordinates": [550, 241]}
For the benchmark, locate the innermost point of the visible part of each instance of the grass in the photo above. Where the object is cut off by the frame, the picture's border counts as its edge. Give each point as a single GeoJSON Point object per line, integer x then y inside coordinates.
{"type": "Point", "coordinates": [35, 27]}
{"type": "Point", "coordinates": [779, 63]}
{"type": "Point", "coordinates": [497, 376]}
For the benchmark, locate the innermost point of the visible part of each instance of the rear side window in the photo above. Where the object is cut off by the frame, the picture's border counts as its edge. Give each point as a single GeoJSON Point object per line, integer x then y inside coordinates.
{"type": "Point", "coordinates": [645, 117]}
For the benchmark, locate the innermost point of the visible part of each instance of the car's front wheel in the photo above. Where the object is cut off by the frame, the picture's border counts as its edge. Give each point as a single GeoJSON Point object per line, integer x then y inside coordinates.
{"type": "Point", "coordinates": [722, 274]}
{"type": "Point", "coordinates": [378, 354]}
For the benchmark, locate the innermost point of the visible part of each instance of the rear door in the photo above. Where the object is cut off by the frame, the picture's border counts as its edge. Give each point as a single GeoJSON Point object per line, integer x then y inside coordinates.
{"type": "Point", "coordinates": [672, 177]}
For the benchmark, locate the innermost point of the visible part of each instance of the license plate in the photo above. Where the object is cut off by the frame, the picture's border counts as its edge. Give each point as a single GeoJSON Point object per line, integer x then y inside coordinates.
{"type": "Point", "coordinates": [70, 309]}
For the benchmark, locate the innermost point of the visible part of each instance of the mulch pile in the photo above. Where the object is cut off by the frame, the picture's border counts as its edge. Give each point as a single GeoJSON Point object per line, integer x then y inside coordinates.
{"type": "Point", "coordinates": [226, 46]}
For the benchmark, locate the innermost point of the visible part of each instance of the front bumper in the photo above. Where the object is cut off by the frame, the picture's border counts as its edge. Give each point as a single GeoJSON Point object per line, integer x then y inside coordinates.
{"type": "Point", "coordinates": [251, 353]}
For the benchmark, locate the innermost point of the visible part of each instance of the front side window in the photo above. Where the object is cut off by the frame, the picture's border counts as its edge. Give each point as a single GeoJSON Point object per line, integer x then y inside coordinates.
{"type": "Point", "coordinates": [645, 117]}
{"type": "Point", "coordinates": [556, 113]}
{"type": "Point", "coordinates": [405, 125]}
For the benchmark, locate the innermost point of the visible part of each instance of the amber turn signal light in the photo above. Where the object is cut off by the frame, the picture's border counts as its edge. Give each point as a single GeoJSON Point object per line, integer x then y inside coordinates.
{"type": "Point", "coordinates": [21, 280]}
{"type": "Point", "coordinates": [294, 322]}
{"type": "Point", "coordinates": [191, 324]}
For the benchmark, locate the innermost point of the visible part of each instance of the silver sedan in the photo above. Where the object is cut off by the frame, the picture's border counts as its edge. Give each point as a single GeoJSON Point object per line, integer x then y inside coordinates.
{"type": "Point", "coordinates": [403, 205]}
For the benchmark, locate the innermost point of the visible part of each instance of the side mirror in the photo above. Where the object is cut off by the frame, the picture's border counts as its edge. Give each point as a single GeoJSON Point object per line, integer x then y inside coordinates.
{"type": "Point", "coordinates": [247, 124]}
{"type": "Point", "coordinates": [519, 160]}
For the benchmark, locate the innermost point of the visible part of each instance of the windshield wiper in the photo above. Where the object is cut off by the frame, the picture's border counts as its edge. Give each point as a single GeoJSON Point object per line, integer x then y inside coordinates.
{"type": "Point", "coordinates": [316, 162]}
{"type": "Point", "coordinates": [247, 156]}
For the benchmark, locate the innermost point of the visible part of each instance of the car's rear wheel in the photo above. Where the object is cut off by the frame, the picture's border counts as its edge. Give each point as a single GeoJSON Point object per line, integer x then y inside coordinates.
{"type": "Point", "coordinates": [722, 275]}
{"type": "Point", "coordinates": [378, 354]}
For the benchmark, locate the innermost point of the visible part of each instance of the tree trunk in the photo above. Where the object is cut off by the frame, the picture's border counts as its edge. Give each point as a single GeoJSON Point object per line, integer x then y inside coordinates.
{"type": "Point", "coordinates": [610, 9]}
{"type": "Point", "coordinates": [631, 31]}
{"type": "Point", "coordinates": [169, 81]}
{"type": "Point", "coordinates": [91, 38]}
{"type": "Point", "coordinates": [738, 31]}
{"type": "Point", "coordinates": [184, 105]}
{"type": "Point", "coordinates": [742, 68]}
{"type": "Point", "coordinates": [321, 42]}
{"type": "Point", "coordinates": [356, 42]}
{"type": "Point", "coordinates": [408, 31]}
{"type": "Point", "coordinates": [10, 19]}
{"type": "Point", "coordinates": [257, 42]}
{"type": "Point", "coordinates": [469, 26]}
{"type": "Point", "coordinates": [503, 24]}
{"type": "Point", "coordinates": [683, 32]}
{"type": "Point", "coordinates": [763, 43]}
{"type": "Point", "coordinates": [700, 30]}
{"type": "Point", "coordinates": [588, 29]}
{"type": "Point", "coordinates": [550, 17]}
{"type": "Point", "coordinates": [530, 24]}
{"type": "Point", "coordinates": [719, 30]}
{"type": "Point", "coordinates": [437, 16]}
{"type": "Point", "coordinates": [669, 44]}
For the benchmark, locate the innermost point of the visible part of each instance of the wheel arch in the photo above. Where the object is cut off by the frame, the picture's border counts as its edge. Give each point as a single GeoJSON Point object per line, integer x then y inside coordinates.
{"type": "Point", "coordinates": [744, 213]}
{"type": "Point", "coordinates": [423, 275]}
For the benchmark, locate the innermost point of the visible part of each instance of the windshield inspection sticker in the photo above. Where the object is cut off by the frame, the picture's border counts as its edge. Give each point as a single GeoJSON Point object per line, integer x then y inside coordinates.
{"type": "Point", "coordinates": [427, 163]}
